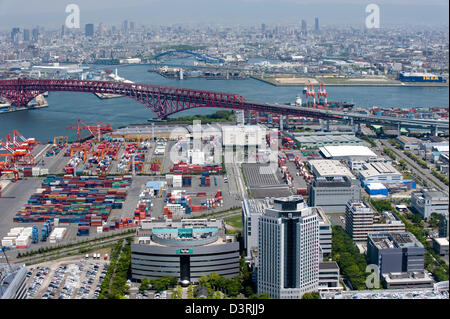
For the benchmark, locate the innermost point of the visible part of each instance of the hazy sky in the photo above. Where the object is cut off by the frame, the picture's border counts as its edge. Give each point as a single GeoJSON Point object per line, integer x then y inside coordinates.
{"type": "Point", "coordinates": [51, 13]}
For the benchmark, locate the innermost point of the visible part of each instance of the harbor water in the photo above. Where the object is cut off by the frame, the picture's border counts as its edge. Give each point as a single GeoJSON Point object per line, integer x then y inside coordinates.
{"type": "Point", "coordinates": [66, 107]}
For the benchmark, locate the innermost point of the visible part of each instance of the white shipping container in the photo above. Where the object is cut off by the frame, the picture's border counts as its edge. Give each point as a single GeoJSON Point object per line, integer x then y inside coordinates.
{"type": "Point", "coordinates": [100, 229]}
{"type": "Point", "coordinates": [17, 230]}
{"type": "Point", "coordinates": [36, 171]}
{"type": "Point", "coordinates": [23, 242]}
{"type": "Point", "coordinates": [7, 243]}
{"type": "Point", "coordinates": [13, 234]}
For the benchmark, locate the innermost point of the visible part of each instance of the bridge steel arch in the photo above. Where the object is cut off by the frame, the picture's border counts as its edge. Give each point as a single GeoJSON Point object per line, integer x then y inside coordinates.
{"type": "Point", "coordinates": [203, 57]}
{"type": "Point", "coordinates": [164, 101]}
{"type": "Point", "coordinates": [161, 100]}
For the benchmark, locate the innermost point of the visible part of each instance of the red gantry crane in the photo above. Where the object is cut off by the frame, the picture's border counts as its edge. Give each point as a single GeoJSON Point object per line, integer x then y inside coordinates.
{"type": "Point", "coordinates": [95, 130]}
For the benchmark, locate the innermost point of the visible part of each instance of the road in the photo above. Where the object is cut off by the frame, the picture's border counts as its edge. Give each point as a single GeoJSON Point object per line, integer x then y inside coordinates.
{"type": "Point", "coordinates": [421, 172]}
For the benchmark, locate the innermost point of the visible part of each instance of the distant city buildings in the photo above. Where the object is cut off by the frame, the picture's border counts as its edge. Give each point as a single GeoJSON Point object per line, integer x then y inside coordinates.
{"type": "Point", "coordinates": [89, 30]}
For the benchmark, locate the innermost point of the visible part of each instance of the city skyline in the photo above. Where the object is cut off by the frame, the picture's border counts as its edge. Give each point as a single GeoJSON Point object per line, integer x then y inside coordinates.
{"type": "Point", "coordinates": [48, 14]}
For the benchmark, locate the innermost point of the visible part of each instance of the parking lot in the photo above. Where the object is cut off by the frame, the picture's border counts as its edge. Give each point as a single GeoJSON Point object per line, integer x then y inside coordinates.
{"type": "Point", "coordinates": [76, 278]}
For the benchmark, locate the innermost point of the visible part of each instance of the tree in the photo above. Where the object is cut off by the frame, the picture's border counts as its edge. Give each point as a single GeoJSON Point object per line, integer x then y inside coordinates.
{"type": "Point", "coordinates": [311, 295]}
{"type": "Point", "coordinates": [144, 284]}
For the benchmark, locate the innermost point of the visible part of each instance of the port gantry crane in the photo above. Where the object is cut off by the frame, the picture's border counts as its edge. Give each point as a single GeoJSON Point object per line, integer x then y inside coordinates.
{"type": "Point", "coordinates": [16, 151]}
{"type": "Point", "coordinates": [95, 130]}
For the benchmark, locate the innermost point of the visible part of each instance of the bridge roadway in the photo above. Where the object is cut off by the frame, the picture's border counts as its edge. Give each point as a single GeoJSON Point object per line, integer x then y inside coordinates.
{"type": "Point", "coordinates": [165, 101]}
{"type": "Point", "coordinates": [340, 115]}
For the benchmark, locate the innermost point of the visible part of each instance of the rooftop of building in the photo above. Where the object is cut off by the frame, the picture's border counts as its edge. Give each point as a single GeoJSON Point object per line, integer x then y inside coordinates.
{"type": "Point", "coordinates": [328, 168]}
{"type": "Point", "coordinates": [346, 151]}
{"type": "Point", "coordinates": [432, 194]}
{"type": "Point", "coordinates": [394, 240]}
{"type": "Point", "coordinates": [329, 265]}
{"type": "Point", "coordinates": [316, 139]}
{"type": "Point", "coordinates": [358, 205]}
{"type": "Point", "coordinates": [441, 241]}
{"type": "Point", "coordinates": [406, 277]}
{"type": "Point", "coordinates": [256, 206]}
{"type": "Point", "coordinates": [408, 139]}
{"type": "Point", "coordinates": [378, 169]}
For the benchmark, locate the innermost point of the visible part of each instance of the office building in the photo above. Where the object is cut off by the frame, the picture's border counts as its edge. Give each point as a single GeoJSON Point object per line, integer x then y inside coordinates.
{"type": "Point", "coordinates": [26, 35]}
{"type": "Point", "coordinates": [407, 280]}
{"type": "Point", "coordinates": [288, 249]}
{"type": "Point", "coordinates": [333, 193]}
{"type": "Point", "coordinates": [360, 220]}
{"type": "Point", "coordinates": [395, 252]}
{"type": "Point", "coordinates": [304, 28]}
{"type": "Point", "coordinates": [12, 281]}
{"type": "Point", "coordinates": [325, 232]}
{"type": "Point", "coordinates": [400, 258]}
{"type": "Point", "coordinates": [35, 34]}
{"type": "Point", "coordinates": [187, 249]}
{"type": "Point", "coordinates": [329, 276]}
{"type": "Point", "coordinates": [316, 24]}
{"type": "Point", "coordinates": [15, 35]}
{"type": "Point", "coordinates": [125, 26]}
{"type": "Point", "coordinates": [440, 246]}
{"type": "Point", "coordinates": [89, 30]}
{"type": "Point", "coordinates": [428, 201]}
{"type": "Point", "coordinates": [252, 210]}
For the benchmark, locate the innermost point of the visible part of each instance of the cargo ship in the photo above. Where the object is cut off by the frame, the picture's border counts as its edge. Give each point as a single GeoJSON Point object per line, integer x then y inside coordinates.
{"type": "Point", "coordinates": [107, 75]}
{"type": "Point", "coordinates": [420, 77]}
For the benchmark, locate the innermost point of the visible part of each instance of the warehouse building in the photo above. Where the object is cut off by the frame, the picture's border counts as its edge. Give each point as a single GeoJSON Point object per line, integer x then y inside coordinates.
{"type": "Point", "coordinates": [348, 153]}
{"type": "Point", "coordinates": [318, 139]}
{"type": "Point", "coordinates": [409, 142]}
{"type": "Point", "coordinates": [248, 135]}
{"type": "Point", "coordinates": [428, 201]}
{"type": "Point", "coordinates": [187, 249]}
{"type": "Point", "coordinates": [379, 172]}
{"type": "Point", "coordinates": [147, 132]}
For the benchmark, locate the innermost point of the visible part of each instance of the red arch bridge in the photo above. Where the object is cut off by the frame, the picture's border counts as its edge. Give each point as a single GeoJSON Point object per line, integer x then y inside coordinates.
{"type": "Point", "coordinates": [165, 101]}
